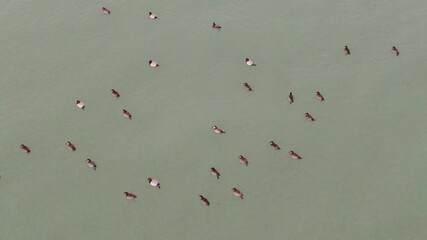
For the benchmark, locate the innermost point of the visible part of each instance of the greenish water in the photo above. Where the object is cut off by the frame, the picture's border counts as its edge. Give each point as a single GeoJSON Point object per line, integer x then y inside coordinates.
{"type": "Point", "coordinates": [363, 173]}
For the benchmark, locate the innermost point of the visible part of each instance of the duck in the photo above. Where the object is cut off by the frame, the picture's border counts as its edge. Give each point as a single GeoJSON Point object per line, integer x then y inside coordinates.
{"type": "Point", "coordinates": [395, 51]}
{"type": "Point", "coordinates": [295, 155]}
{"type": "Point", "coordinates": [153, 182]}
{"type": "Point", "coordinates": [152, 15]}
{"type": "Point", "coordinates": [70, 146]}
{"type": "Point", "coordinates": [80, 104]}
{"type": "Point", "coordinates": [237, 192]}
{"type": "Point", "coordinates": [215, 172]}
{"type": "Point", "coordinates": [243, 160]}
{"type": "Point", "coordinates": [217, 130]}
{"type": "Point", "coordinates": [106, 11]}
{"type": "Point", "coordinates": [130, 195]}
{"type": "Point", "coordinates": [204, 200]}
{"type": "Point", "coordinates": [127, 114]}
{"type": "Point", "coordinates": [153, 64]}
{"type": "Point", "coordinates": [24, 148]}
{"type": "Point", "coordinates": [309, 117]}
{"type": "Point", "coordinates": [115, 93]}
{"type": "Point", "coordinates": [346, 50]}
{"type": "Point", "coordinates": [249, 62]}
{"type": "Point", "coordinates": [274, 146]}
{"type": "Point", "coordinates": [247, 86]}
{"type": "Point", "coordinates": [91, 164]}
{"type": "Point", "coordinates": [320, 97]}
{"type": "Point", "coordinates": [216, 26]}
{"type": "Point", "coordinates": [290, 98]}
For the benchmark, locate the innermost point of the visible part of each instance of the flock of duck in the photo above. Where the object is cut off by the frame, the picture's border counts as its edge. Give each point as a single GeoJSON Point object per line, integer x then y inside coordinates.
{"type": "Point", "coordinates": [155, 183]}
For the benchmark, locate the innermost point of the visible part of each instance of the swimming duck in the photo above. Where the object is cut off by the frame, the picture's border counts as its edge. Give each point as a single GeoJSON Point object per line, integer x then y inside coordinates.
{"type": "Point", "coordinates": [216, 26]}
{"type": "Point", "coordinates": [309, 117]}
{"type": "Point", "coordinates": [395, 51]}
{"type": "Point", "coordinates": [320, 97]}
{"type": "Point", "coordinates": [274, 146]}
{"type": "Point", "coordinates": [250, 62]}
{"type": "Point", "coordinates": [153, 182]}
{"type": "Point", "coordinates": [290, 98]}
{"type": "Point", "coordinates": [295, 155]}
{"type": "Point", "coordinates": [153, 64]}
{"type": "Point", "coordinates": [80, 104]}
{"type": "Point", "coordinates": [106, 11]}
{"type": "Point", "coordinates": [247, 86]}
{"type": "Point", "coordinates": [127, 114]}
{"type": "Point", "coordinates": [217, 130]}
{"type": "Point", "coordinates": [204, 200]}
{"type": "Point", "coordinates": [237, 193]}
{"type": "Point", "coordinates": [152, 15]}
{"type": "Point", "coordinates": [130, 195]}
{"type": "Point", "coordinates": [215, 172]}
{"type": "Point", "coordinates": [25, 149]}
{"type": "Point", "coordinates": [243, 160]}
{"type": "Point", "coordinates": [115, 93]}
{"type": "Point", "coordinates": [346, 50]}
{"type": "Point", "coordinates": [91, 164]}
{"type": "Point", "coordinates": [71, 146]}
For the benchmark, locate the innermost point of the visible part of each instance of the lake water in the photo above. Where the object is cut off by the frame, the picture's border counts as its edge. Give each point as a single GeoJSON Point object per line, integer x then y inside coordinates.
{"type": "Point", "coordinates": [363, 172]}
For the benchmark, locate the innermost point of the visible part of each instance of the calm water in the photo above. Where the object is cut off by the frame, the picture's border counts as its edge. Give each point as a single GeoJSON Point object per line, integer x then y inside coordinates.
{"type": "Point", "coordinates": [363, 173]}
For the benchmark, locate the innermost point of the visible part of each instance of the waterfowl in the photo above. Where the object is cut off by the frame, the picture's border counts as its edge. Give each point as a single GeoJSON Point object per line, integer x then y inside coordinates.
{"type": "Point", "coordinates": [152, 15]}
{"type": "Point", "coordinates": [115, 93]}
{"type": "Point", "coordinates": [346, 50]}
{"type": "Point", "coordinates": [24, 148]}
{"type": "Point", "coordinates": [215, 172]}
{"type": "Point", "coordinates": [237, 192]}
{"type": "Point", "coordinates": [70, 146]}
{"type": "Point", "coordinates": [127, 114]}
{"type": "Point", "coordinates": [153, 182]}
{"type": "Point", "coordinates": [80, 104]}
{"type": "Point", "coordinates": [247, 86]}
{"type": "Point", "coordinates": [106, 11]}
{"type": "Point", "coordinates": [250, 62]}
{"type": "Point", "coordinates": [290, 98]}
{"type": "Point", "coordinates": [153, 64]}
{"type": "Point", "coordinates": [274, 146]}
{"type": "Point", "coordinates": [320, 97]}
{"type": "Point", "coordinates": [309, 117]}
{"type": "Point", "coordinates": [243, 160]}
{"type": "Point", "coordinates": [217, 130]}
{"type": "Point", "coordinates": [91, 164]}
{"type": "Point", "coordinates": [395, 51]}
{"type": "Point", "coordinates": [295, 155]}
{"type": "Point", "coordinates": [204, 200]}
{"type": "Point", "coordinates": [130, 195]}
{"type": "Point", "coordinates": [216, 26]}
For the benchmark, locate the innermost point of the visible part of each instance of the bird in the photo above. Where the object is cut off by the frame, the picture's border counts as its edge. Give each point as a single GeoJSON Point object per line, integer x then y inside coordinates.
{"type": "Point", "coordinates": [153, 64]}
{"type": "Point", "coordinates": [247, 86]}
{"type": "Point", "coordinates": [91, 164]}
{"type": "Point", "coordinates": [204, 200]}
{"type": "Point", "coordinates": [216, 26]}
{"type": "Point", "coordinates": [130, 195]}
{"type": "Point", "coordinates": [320, 97]}
{"type": "Point", "coordinates": [237, 192]}
{"type": "Point", "coordinates": [243, 160]}
{"type": "Point", "coordinates": [152, 15]}
{"type": "Point", "coordinates": [295, 155]}
{"type": "Point", "coordinates": [274, 145]}
{"type": "Point", "coordinates": [309, 117]}
{"type": "Point", "coordinates": [395, 51]}
{"type": "Point", "coordinates": [24, 148]}
{"type": "Point", "coordinates": [127, 114]}
{"type": "Point", "coordinates": [153, 182]}
{"type": "Point", "coordinates": [70, 146]}
{"type": "Point", "coordinates": [215, 172]}
{"type": "Point", "coordinates": [249, 62]}
{"type": "Point", "coordinates": [115, 93]}
{"type": "Point", "coordinates": [80, 104]}
{"type": "Point", "coordinates": [217, 130]}
{"type": "Point", "coordinates": [290, 98]}
{"type": "Point", "coordinates": [106, 11]}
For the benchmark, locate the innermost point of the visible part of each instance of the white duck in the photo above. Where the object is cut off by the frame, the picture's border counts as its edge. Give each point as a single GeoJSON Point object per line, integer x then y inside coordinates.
{"type": "Point", "coordinates": [153, 64]}
{"type": "Point", "coordinates": [152, 15]}
{"type": "Point", "coordinates": [250, 62]}
{"type": "Point", "coordinates": [91, 164]}
{"type": "Point", "coordinates": [153, 182]}
{"type": "Point", "coordinates": [80, 104]}
{"type": "Point", "coordinates": [217, 130]}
